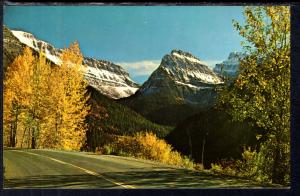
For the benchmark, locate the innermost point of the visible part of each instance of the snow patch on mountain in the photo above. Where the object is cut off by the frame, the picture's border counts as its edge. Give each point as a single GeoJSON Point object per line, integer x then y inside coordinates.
{"type": "Point", "coordinates": [207, 78]}
{"type": "Point", "coordinates": [24, 37]}
{"type": "Point", "coordinates": [192, 86]}
{"type": "Point", "coordinates": [191, 59]}
{"type": "Point", "coordinates": [116, 92]}
{"type": "Point", "coordinates": [104, 75]}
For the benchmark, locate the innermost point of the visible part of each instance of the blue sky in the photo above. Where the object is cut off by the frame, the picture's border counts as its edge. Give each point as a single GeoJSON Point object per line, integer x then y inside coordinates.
{"type": "Point", "coordinates": [137, 37]}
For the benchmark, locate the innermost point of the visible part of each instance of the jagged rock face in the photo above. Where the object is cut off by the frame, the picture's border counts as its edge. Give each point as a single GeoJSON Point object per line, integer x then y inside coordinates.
{"type": "Point", "coordinates": [108, 78]}
{"type": "Point", "coordinates": [178, 88]}
{"type": "Point", "coordinates": [187, 75]}
{"type": "Point", "coordinates": [230, 66]}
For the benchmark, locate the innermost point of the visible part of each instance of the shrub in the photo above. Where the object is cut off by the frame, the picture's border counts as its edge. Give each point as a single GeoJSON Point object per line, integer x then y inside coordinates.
{"type": "Point", "coordinates": [226, 167]}
{"type": "Point", "coordinates": [153, 148]}
{"type": "Point", "coordinates": [216, 168]}
{"type": "Point", "coordinates": [259, 165]}
{"type": "Point", "coordinates": [255, 165]}
{"type": "Point", "coordinates": [187, 162]}
{"type": "Point", "coordinates": [199, 166]}
{"type": "Point", "coordinates": [99, 150]}
{"type": "Point", "coordinates": [175, 158]}
{"type": "Point", "coordinates": [148, 146]}
{"type": "Point", "coordinates": [108, 149]}
{"type": "Point", "coordinates": [247, 166]}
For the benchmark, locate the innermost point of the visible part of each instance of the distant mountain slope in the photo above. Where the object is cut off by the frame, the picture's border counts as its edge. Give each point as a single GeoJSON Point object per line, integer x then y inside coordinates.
{"type": "Point", "coordinates": [108, 78]}
{"type": "Point", "coordinates": [178, 88]}
{"type": "Point", "coordinates": [229, 67]}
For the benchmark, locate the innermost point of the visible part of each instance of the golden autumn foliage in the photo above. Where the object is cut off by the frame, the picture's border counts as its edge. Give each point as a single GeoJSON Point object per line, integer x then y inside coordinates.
{"type": "Point", "coordinates": [44, 106]}
{"type": "Point", "coordinates": [148, 146]}
{"type": "Point", "coordinates": [69, 99]}
{"type": "Point", "coordinates": [18, 90]}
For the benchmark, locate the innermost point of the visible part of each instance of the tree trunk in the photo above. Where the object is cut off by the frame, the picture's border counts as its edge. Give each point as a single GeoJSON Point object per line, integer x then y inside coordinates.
{"type": "Point", "coordinates": [33, 139]}
{"type": "Point", "coordinates": [13, 131]}
{"type": "Point", "coordinates": [29, 138]}
{"type": "Point", "coordinates": [56, 134]}
{"type": "Point", "coordinates": [11, 135]}
{"type": "Point", "coordinates": [202, 153]}
{"type": "Point", "coordinates": [22, 140]}
{"type": "Point", "coordinates": [190, 143]}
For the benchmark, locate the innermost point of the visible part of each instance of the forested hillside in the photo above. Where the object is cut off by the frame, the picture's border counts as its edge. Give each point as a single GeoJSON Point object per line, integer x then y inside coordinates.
{"type": "Point", "coordinates": [109, 118]}
{"type": "Point", "coordinates": [211, 136]}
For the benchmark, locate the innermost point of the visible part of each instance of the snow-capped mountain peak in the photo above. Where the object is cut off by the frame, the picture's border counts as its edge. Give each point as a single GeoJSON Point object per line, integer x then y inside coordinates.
{"type": "Point", "coordinates": [230, 66]}
{"type": "Point", "coordinates": [181, 69]}
{"type": "Point", "coordinates": [185, 67]}
{"type": "Point", "coordinates": [108, 78]}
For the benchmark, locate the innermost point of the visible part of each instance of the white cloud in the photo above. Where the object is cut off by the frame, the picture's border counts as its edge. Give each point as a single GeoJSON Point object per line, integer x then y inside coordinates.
{"type": "Point", "coordinates": [140, 68]}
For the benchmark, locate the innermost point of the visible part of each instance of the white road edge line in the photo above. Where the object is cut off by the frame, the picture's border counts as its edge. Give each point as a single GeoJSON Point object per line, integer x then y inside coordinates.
{"type": "Point", "coordinates": [83, 169]}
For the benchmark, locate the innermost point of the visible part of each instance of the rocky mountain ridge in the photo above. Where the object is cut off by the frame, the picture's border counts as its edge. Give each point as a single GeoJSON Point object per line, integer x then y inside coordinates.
{"type": "Point", "coordinates": [183, 71]}
{"type": "Point", "coordinates": [108, 78]}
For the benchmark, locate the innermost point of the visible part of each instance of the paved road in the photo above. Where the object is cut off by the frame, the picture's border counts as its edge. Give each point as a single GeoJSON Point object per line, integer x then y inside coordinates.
{"type": "Point", "coordinates": [60, 169]}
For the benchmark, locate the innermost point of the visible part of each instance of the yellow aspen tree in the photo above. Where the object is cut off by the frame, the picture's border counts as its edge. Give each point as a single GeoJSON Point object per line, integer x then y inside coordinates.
{"type": "Point", "coordinates": [16, 93]}
{"type": "Point", "coordinates": [52, 136]}
{"type": "Point", "coordinates": [48, 103]}
{"type": "Point", "coordinates": [40, 103]}
{"type": "Point", "coordinates": [72, 105]}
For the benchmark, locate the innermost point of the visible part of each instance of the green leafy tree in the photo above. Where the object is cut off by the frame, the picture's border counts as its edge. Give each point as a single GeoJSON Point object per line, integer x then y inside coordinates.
{"type": "Point", "coordinates": [261, 93]}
